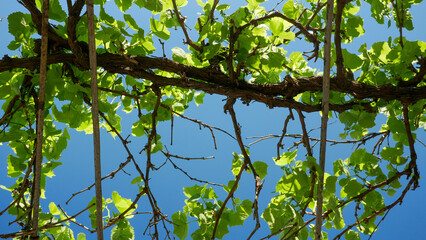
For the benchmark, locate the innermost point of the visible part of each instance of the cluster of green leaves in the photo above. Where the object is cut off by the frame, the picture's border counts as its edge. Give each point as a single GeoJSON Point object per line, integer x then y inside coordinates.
{"type": "Point", "coordinates": [203, 206]}
{"type": "Point", "coordinates": [380, 10]}
{"type": "Point", "coordinates": [263, 52]}
{"type": "Point", "coordinates": [65, 100]}
{"type": "Point", "coordinates": [123, 229]}
{"type": "Point", "coordinates": [292, 194]}
{"type": "Point", "coordinates": [388, 62]}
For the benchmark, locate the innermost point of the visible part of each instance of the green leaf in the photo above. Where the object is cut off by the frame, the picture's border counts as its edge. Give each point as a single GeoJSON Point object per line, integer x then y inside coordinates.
{"type": "Point", "coordinates": [393, 154]}
{"type": "Point", "coordinates": [138, 129]}
{"type": "Point", "coordinates": [351, 189]}
{"type": "Point", "coordinates": [159, 29]}
{"type": "Point", "coordinates": [396, 125]}
{"type": "Point", "coordinates": [330, 183]}
{"type": "Point", "coordinates": [367, 120]}
{"type": "Point", "coordinates": [182, 3]}
{"type": "Point", "coordinates": [13, 45]}
{"type": "Point", "coordinates": [156, 146]}
{"type": "Point", "coordinates": [98, 2]}
{"type": "Point", "coordinates": [81, 236]}
{"type": "Point", "coordinates": [193, 192]}
{"type": "Point", "coordinates": [169, 19]}
{"type": "Point", "coordinates": [122, 204]}
{"type": "Point", "coordinates": [395, 184]}
{"type": "Point", "coordinates": [105, 17]}
{"type": "Point", "coordinates": [222, 228]}
{"type": "Point", "coordinates": [136, 180]}
{"type": "Point", "coordinates": [230, 185]}
{"type": "Point", "coordinates": [153, 5]}
{"type": "Point", "coordinates": [296, 183]}
{"type": "Point", "coordinates": [123, 5]}
{"type": "Point", "coordinates": [286, 158]}
{"type": "Point", "coordinates": [289, 10]}
{"type": "Point", "coordinates": [19, 24]}
{"type": "Point", "coordinates": [276, 59]}
{"type": "Point", "coordinates": [254, 3]}
{"type": "Point", "coordinates": [56, 12]}
{"type": "Point", "coordinates": [287, 35]}
{"type": "Point", "coordinates": [261, 169]}
{"type": "Point", "coordinates": [242, 16]}
{"type": "Point", "coordinates": [65, 234]}
{"type": "Point", "coordinates": [209, 193]}
{"type": "Point", "coordinates": [178, 54]}
{"type": "Point", "coordinates": [361, 156]}
{"type": "Point", "coordinates": [260, 30]}
{"type": "Point", "coordinates": [237, 163]}
{"type": "Point", "coordinates": [352, 235]}
{"type": "Point", "coordinates": [5, 188]}
{"type": "Point", "coordinates": [246, 206]}
{"type": "Point", "coordinates": [123, 231]}
{"type": "Point", "coordinates": [131, 22]}
{"type": "Point", "coordinates": [276, 26]}
{"type": "Point", "coordinates": [338, 219]}
{"type": "Point", "coordinates": [54, 209]}
{"type": "Point", "coordinates": [11, 136]}
{"type": "Point", "coordinates": [391, 192]}
{"type": "Point", "coordinates": [199, 98]}
{"type": "Point", "coordinates": [381, 50]}
{"type": "Point", "coordinates": [222, 7]}
{"type": "Point", "coordinates": [351, 60]}
{"type": "Point", "coordinates": [180, 225]}
{"type": "Point", "coordinates": [15, 166]}
{"type": "Point", "coordinates": [355, 26]}
{"type": "Point", "coordinates": [278, 216]}
{"type": "Point", "coordinates": [130, 80]}
{"type": "Point", "coordinates": [296, 59]}
{"type": "Point", "coordinates": [352, 9]}
{"type": "Point", "coordinates": [140, 3]}
{"type": "Point", "coordinates": [212, 50]}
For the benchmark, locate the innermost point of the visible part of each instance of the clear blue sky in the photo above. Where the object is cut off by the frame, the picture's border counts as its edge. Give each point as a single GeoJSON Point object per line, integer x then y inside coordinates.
{"type": "Point", "coordinates": [76, 173]}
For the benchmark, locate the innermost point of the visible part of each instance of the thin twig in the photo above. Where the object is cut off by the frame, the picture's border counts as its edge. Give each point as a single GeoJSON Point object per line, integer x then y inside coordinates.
{"type": "Point", "coordinates": [111, 175]}
{"type": "Point", "coordinates": [186, 173]}
{"type": "Point", "coordinates": [182, 24]}
{"type": "Point", "coordinates": [211, 128]}
{"type": "Point", "coordinates": [284, 132]}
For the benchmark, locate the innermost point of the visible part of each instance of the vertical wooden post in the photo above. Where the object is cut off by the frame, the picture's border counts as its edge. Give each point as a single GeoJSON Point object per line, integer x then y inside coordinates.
{"type": "Point", "coordinates": [95, 118]}
{"type": "Point", "coordinates": [324, 119]}
{"type": "Point", "coordinates": [40, 118]}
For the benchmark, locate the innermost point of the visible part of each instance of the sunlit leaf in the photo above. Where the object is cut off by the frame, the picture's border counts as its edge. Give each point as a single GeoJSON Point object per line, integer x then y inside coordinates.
{"type": "Point", "coordinates": [180, 226]}
{"type": "Point", "coordinates": [261, 169]}
{"type": "Point", "coordinates": [123, 5]}
{"type": "Point", "coordinates": [352, 61]}
{"type": "Point", "coordinates": [178, 54]}
{"type": "Point", "coordinates": [81, 236]}
{"type": "Point", "coordinates": [153, 5]}
{"type": "Point", "coordinates": [132, 23]}
{"type": "Point", "coordinates": [122, 204]}
{"type": "Point", "coordinates": [123, 231]}
{"type": "Point", "coordinates": [19, 24]}
{"type": "Point", "coordinates": [159, 29]}
{"type": "Point", "coordinates": [286, 158]}
{"type": "Point", "coordinates": [54, 209]}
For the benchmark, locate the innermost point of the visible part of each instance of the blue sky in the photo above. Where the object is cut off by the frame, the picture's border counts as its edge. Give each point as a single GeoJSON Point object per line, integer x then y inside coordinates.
{"type": "Point", "coordinates": [76, 173]}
